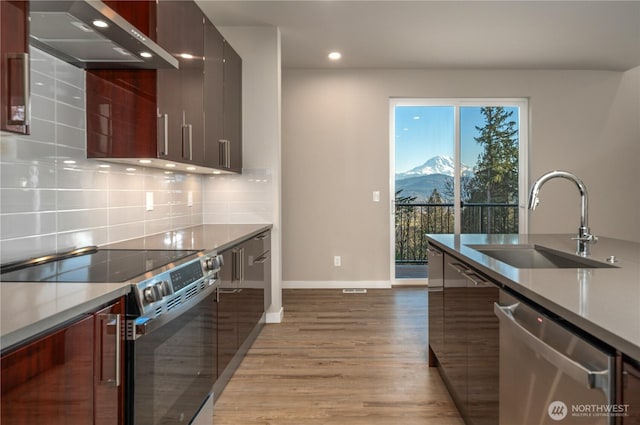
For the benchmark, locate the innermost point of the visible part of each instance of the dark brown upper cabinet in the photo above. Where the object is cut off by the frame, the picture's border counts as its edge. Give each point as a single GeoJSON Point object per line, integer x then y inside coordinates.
{"type": "Point", "coordinates": [181, 91]}
{"type": "Point", "coordinates": [232, 110]}
{"type": "Point", "coordinates": [190, 116]}
{"type": "Point", "coordinates": [14, 66]}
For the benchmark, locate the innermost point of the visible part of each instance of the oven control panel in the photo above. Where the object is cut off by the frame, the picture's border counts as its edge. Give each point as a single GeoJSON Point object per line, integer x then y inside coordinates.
{"type": "Point", "coordinates": [165, 289]}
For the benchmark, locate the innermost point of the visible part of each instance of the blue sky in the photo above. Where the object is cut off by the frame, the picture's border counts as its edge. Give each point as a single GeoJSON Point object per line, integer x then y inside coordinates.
{"type": "Point", "coordinates": [423, 132]}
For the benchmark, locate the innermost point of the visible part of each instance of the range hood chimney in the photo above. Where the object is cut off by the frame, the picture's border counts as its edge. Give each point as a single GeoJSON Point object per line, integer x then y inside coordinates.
{"type": "Point", "coordinates": [91, 35]}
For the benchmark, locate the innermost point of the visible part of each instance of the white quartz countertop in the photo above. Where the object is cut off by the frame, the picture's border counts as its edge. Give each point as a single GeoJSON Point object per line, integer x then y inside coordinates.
{"type": "Point", "coordinates": [31, 308]}
{"type": "Point", "coordinates": [604, 302]}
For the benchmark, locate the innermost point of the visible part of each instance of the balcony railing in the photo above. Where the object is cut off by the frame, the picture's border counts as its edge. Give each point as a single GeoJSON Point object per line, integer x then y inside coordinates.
{"type": "Point", "coordinates": [414, 221]}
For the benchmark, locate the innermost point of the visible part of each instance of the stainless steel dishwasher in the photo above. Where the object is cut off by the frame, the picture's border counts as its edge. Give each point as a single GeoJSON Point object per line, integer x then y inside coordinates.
{"type": "Point", "coordinates": [548, 374]}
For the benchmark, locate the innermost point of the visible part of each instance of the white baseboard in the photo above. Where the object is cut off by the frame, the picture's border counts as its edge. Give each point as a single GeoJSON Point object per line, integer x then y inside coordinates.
{"type": "Point", "coordinates": [411, 282]}
{"type": "Point", "coordinates": [336, 284]}
{"type": "Point", "coordinates": [275, 316]}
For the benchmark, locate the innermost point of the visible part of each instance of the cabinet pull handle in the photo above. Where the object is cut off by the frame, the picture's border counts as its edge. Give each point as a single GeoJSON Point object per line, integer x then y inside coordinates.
{"type": "Point", "coordinates": [435, 252]}
{"type": "Point", "coordinates": [224, 159]}
{"type": "Point", "coordinates": [108, 322]}
{"type": "Point", "coordinates": [187, 139]}
{"type": "Point", "coordinates": [261, 259]}
{"type": "Point", "coordinates": [19, 114]}
{"type": "Point", "coordinates": [163, 134]}
{"type": "Point", "coordinates": [469, 275]}
{"type": "Point", "coordinates": [262, 237]}
{"type": "Point", "coordinates": [458, 267]}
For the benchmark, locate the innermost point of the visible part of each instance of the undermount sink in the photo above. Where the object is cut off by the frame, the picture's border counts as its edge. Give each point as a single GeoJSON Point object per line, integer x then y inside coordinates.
{"type": "Point", "coordinates": [537, 257]}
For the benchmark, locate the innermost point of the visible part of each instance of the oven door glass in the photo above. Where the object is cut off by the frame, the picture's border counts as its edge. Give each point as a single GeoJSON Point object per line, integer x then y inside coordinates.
{"type": "Point", "coordinates": [175, 367]}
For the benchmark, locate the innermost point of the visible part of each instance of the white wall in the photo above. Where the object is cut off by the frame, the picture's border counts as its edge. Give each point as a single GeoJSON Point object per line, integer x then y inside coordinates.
{"type": "Point", "coordinates": [335, 150]}
{"type": "Point", "coordinates": [254, 196]}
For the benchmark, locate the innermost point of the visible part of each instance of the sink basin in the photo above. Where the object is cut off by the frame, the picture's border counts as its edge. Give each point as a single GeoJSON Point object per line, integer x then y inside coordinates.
{"type": "Point", "coordinates": [537, 257]}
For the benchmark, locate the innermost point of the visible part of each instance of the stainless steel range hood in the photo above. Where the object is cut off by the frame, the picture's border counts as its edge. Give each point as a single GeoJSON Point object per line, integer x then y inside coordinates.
{"type": "Point", "coordinates": [89, 34]}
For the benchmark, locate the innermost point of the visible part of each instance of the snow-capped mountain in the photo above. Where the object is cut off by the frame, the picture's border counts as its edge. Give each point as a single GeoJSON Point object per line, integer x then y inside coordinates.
{"type": "Point", "coordinates": [436, 165]}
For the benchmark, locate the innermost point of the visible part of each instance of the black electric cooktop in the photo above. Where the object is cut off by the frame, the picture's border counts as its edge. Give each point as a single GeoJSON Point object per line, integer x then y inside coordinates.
{"type": "Point", "coordinates": [94, 266]}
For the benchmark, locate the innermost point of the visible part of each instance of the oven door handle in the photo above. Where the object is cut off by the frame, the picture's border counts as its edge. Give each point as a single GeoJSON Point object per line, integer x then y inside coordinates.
{"type": "Point", "coordinates": [142, 326]}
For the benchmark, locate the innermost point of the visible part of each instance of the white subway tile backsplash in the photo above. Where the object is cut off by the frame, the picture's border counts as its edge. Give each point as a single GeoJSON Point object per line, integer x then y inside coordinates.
{"type": "Point", "coordinates": [81, 219]}
{"type": "Point", "coordinates": [69, 95]}
{"type": "Point", "coordinates": [19, 175]}
{"type": "Point", "coordinates": [43, 131]}
{"type": "Point", "coordinates": [70, 115]}
{"type": "Point", "coordinates": [27, 247]}
{"type": "Point", "coordinates": [22, 225]}
{"type": "Point", "coordinates": [27, 200]}
{"type": "Point", "coordinates": [43, 108]}
{"type": "Point", "coordinates": [43, 85]}
{"type": "Point", "coordinates": [71, 137]}
{"type": "Point", "coordinates": [82, 199]}
{"type": "Point", "coordinates": [69, 74]}
{"type": "Point", "coordinates": [42, 62]}
{"type": "Point", "coordinates": [124, 215]}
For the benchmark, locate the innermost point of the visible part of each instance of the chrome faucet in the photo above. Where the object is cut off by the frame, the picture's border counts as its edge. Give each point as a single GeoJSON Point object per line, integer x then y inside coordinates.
{"type": "Point", "coordinates": [584, 238]}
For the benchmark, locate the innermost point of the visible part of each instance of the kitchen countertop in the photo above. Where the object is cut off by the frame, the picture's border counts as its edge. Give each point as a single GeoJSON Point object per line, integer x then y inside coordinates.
{"type": "Point", "coordinates": [603, 302]}
{"type": "Point", "coordinates": [31, 308]}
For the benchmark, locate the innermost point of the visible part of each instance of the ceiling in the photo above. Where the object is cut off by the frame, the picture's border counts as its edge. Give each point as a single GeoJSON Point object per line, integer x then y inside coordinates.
{"type": "Point", "coordinates": [594, 35]}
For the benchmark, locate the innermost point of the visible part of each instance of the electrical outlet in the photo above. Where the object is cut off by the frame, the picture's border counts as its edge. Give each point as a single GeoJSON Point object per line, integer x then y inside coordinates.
{"type": "Point", "coordinates": [189, 199]}
{"type": "Point", "coordinates": [337, 261]}
{"type": "Point", "coordinates": [376, 196]}
{"type": "Point", "coordinates": [149, 198]}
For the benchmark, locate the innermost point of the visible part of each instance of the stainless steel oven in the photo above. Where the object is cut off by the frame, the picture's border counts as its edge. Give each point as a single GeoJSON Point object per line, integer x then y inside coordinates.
{"type": "Point", "coordinates": [170, 348]}
{"type": "Point", "coordinates": [171, 345]}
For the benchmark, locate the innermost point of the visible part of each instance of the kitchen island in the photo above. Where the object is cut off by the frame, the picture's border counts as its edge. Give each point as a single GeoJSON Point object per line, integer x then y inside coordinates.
{"type": "Point", "coordinates": [480, 287]}
{"type": "Point", "coordinates": [604, 302]}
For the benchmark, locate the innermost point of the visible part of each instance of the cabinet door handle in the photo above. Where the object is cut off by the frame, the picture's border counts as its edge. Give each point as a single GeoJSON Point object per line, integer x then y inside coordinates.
{"type": "Point", "coordinates": [187, 139]}
{"type": "Point", "coordinates": [434, 251]}
{"type": "Point", "coordinates": [19, 114]}
{"type": "Point", "coordinates": [224, 159]}
{"type": "Point", "coordinates": [261, 259]}
{"type": "Point", "coordinates": [470, 276]}
{"type": "Point", "coordinates": [163, 134]}
{"type": "Point", "coordinates": [458, 267]}
{"type": "Point", "coordinates": [110, 324]}
{"type": "Point", "coordinates": [262, 237]}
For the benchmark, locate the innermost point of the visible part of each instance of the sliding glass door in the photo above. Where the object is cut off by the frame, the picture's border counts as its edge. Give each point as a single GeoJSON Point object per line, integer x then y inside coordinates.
{"type": "Point", "coordinates": [459, 166]}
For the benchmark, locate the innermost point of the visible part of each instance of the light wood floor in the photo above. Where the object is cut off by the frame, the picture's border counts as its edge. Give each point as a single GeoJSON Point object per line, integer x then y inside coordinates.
{"type": "Point", "coordinates": [347, 359]}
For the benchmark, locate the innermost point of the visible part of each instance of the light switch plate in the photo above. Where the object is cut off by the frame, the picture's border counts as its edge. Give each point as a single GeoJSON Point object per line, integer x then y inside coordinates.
{"type": "Point", "coordinates": [376, 196]}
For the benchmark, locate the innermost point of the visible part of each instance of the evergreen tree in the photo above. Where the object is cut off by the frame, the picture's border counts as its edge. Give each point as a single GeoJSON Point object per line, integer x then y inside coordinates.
{"type": "Point", "coordinates": [496, 173]}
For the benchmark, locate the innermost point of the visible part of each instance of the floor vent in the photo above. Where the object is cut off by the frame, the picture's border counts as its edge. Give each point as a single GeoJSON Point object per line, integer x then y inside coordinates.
{"type": "Point", "coordinates": [354, 291]}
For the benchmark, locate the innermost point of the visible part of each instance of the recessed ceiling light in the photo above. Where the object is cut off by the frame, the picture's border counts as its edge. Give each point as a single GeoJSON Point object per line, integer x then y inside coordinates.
{"type": "Point", "coordinates": [334, 56]}
{"type": "Point", "coordinates": [131, 169]}
{"type": "Point", "coordinates": [146, 54]}
{"type": "Point", "coordinates": [186, 55]}
{"type": "Point", "coordinates": [69, 161]}
{"type": "Point", "coordinates": [100, 23]}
